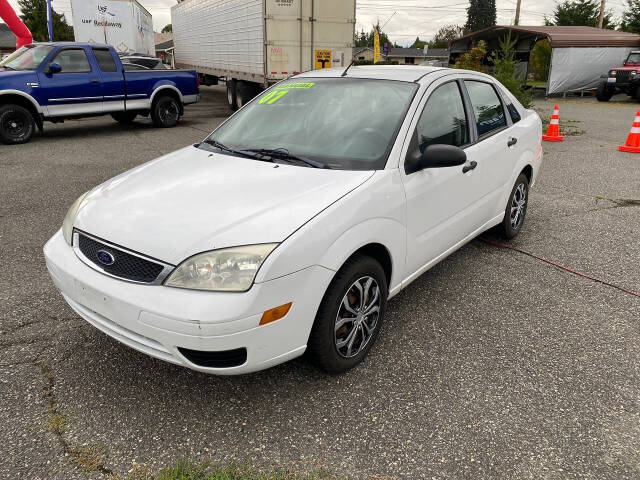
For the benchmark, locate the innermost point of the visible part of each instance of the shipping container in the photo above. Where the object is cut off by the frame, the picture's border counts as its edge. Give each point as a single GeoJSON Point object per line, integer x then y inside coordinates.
{"type": "Point", "coordinates": [251, 44]}
{"type": "Point", "coordinates": [124, 24]}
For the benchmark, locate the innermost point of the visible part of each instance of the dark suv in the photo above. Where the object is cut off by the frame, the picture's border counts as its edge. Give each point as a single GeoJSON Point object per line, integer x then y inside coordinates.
{"type": "Point", "coordinates": [625, 79]}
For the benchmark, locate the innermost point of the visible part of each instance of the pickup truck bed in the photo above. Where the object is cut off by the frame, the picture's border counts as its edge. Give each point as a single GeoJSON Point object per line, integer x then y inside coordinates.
{"type": "Point", "coordinates": [58, 81]}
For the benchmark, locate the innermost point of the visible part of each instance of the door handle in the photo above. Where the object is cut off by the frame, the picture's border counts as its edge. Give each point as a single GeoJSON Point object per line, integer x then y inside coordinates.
{"type": "Point", "coordinates": [94, 82]}
{"type": "Point", "coordinates": [512, 141]}
{"type": "Point", "coordinates": [468, 168]}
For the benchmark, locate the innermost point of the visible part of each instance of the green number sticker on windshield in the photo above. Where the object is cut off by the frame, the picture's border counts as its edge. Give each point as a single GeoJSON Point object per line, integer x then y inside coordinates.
{"type": "Point", "coordinates": [281, 90]}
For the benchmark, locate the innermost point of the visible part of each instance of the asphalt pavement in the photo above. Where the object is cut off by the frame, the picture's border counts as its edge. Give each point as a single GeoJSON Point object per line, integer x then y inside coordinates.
{"type": "Point", "coordinates": [493, 364]}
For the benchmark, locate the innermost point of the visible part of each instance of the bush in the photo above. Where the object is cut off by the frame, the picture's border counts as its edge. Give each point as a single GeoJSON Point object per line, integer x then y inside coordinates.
{"type": "Point", "coordinates": [472, 60]}
{"type": "Point", "coordinates": [540, 60]}
{"type": "Point", "coordinates": [504, 70]}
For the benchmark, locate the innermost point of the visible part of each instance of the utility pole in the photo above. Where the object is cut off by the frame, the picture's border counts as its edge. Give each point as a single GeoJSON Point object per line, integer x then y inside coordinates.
{"type": "Point", "coordinates": [601, 17]}
{"type": "Point", "coordinates": [517, 20]}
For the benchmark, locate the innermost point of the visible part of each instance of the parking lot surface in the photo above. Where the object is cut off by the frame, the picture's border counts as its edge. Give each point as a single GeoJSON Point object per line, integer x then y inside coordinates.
{"type": "Point", "coordinates": [491, 365]}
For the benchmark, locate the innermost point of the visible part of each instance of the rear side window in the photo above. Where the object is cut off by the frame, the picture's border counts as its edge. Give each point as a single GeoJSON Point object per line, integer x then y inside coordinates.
{"type": "Point", "coordinates": [443, 120]}
{"type": "Point", "coordinates": [73, 61]}
{"type": "Point", "coordinates": [105, 60]}
{"type": "Point", "coordinates": [513, 111]}
{"type": "Point", "coordinates": [486, 106]}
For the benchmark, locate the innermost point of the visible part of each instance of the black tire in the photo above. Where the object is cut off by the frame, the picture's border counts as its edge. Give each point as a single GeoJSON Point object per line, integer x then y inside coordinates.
{"type": "Point", "coordinates": [231, 95]}
{"type": "Point", "coordinates": [323, 346]}
{"type": "Point", "coordinates": [245, 92]}
{"type": "Point", "coordinates": [165, 112]}
{"type": "Point", "coordinates": [17, 124]}
{"type": "Point", "coordinates": [125, 118]}
{"type": "Point", "coordinates": [514, 219]}
{"type": "Point", "coordinates": [601, 93]}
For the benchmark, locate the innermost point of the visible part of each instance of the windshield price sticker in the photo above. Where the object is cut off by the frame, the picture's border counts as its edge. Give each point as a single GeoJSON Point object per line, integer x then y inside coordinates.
{"type": "Point", "coordinates": [281, 90]}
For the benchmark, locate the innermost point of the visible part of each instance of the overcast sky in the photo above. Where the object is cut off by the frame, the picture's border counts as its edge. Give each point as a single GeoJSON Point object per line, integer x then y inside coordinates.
{"type": "Point", "coordinates": [413, 17]}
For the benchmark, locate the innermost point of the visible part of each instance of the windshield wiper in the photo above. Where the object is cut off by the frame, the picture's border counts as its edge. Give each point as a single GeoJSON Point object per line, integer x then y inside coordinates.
{"type": "Point", "coordinates": [8, 68]}
{"type": "Point", "coordinates": [244, 153]}
{"type": "Point", "coordinates": [283, 154]}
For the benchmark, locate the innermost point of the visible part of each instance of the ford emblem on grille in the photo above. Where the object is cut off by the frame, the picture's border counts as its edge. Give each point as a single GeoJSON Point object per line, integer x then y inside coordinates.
{"type": "Point", "coordinates": [105, 257]}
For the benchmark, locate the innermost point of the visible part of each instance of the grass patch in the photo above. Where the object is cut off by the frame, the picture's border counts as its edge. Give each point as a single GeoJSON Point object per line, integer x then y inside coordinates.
{"type": "Point", "coordinates": [57, 422]}
{"type": "Point", "coordinates": [187, 470]}
{"type": "Point", "coordinates": [89, 458]}
{"type": "Point", "coordinates": [568, 127]}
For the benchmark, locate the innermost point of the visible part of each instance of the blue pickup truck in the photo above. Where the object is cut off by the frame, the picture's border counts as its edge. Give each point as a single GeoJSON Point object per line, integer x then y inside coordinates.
{"type": "Point", "coordinates": [59, 81]}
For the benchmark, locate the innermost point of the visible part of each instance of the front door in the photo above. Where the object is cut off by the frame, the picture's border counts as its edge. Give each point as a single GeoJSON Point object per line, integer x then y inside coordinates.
{"type": "Point", "coordinates": [442, 203]}
{"type": "Point", "coordinates": [75, 90]}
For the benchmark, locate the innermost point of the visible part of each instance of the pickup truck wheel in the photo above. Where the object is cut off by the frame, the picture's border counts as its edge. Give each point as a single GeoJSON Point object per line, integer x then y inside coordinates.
{"type": "Point", "coordinates": [231, 95]}
{"type": "Point", "coordinates": [165, 112]}
{"type": "Point", "coordinates": [350, 316]}
{"type": "Point", "coordinates": [17, 125]}
{"type": "Point", "coordinates": [125, 118]}
{"type": "Point", "coordinates": [516, 209]}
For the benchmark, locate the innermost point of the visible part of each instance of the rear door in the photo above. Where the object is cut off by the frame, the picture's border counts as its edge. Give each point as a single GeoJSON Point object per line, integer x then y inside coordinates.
{"type": "Point", "coordinates": [76, 89]}
{"type": "Point", "coordinates": [113, 88]}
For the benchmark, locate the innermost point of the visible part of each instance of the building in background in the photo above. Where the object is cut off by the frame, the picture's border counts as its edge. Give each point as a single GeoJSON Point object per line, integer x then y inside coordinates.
{"type": "Point", "coordinates": [406, 56]}
{"type": "Point", "coordinates": [7, 40]}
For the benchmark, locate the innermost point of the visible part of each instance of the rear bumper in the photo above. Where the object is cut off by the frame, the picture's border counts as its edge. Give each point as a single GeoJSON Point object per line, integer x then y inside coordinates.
{"type": "Point", "coordinates": [159, 320]}
{"type": "Point", "coordinates": [190, 99]}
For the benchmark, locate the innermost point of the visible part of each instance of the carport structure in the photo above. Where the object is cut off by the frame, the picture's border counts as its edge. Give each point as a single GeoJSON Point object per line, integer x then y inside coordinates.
{"type": "Point", "coordinates": [580, 55]}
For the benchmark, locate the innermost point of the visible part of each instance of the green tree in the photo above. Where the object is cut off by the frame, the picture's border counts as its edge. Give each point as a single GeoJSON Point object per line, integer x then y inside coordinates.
{"type": "Point", "coordinates": [580, 12]}
{"type": "Point", "coordinates": [541, 60]}
{"type": "Point", "coordinates": [445, 35]}
{"type": "Point", "coordinates": [631, 17]}
{"type": "Point", "coordinates": [364, 39]}
{"type": "Point", "coordinates": [418, 43]}
{"type": "Point", "coordinates": [167, 28]}
{"type": "Point", "coordinates": [504, 69]}
{"type": "Point", "coordinates": [472, 60]}
{"type": "Point", "coordinates": [480, 14]}
{"type": "Point", "coordinates": [34, 16]}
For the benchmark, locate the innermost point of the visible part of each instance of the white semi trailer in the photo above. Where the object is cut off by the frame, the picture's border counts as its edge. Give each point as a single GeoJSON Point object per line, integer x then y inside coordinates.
{"type": "Point", "coordinates": [251, 44]}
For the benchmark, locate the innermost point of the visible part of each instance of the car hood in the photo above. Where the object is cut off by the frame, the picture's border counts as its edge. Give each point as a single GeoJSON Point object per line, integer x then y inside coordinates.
{"type": "Point", "coordinates": [193, 200]}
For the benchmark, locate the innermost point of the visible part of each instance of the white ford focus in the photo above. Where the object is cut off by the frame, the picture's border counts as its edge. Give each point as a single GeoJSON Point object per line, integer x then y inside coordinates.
{"type": "Point", "coordinates": [292, 224]}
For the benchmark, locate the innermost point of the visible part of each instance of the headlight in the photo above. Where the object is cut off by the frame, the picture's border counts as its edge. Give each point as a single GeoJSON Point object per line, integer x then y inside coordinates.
{"type": "Point", "coordinates": [633, 72]}
{"type": "Point", "coordinates": [67, 224]}
{"type": "Point", "coordinates": [226, 270]}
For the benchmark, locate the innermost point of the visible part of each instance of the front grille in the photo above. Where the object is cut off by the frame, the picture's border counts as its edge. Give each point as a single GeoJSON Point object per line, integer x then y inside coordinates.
{"type": "Point", "coordinates": [623, 75]}
{"type": "Point", "coordinates": [125, 265]}
{"type": "Point", "coordinates": [224, 359]}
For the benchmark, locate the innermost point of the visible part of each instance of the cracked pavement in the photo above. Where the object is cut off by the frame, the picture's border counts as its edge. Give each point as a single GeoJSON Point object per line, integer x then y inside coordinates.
{"type": "Point", "coordinates": [491, 365]}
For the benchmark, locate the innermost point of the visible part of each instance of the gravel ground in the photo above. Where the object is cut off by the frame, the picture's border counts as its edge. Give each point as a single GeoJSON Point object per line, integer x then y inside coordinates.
{"type": "Point", "coordinates": [491, 365]}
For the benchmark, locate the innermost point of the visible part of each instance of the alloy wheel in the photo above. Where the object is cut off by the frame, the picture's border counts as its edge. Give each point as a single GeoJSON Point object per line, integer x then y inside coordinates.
{"type": "Point", "coordinates": [168, 111]}
{"type": "Point", "coordinates": [518, 206]}
{"type": "Point", "coordinates": [15, 125]}
{"type": "Point", "coordinates": [357, 317]}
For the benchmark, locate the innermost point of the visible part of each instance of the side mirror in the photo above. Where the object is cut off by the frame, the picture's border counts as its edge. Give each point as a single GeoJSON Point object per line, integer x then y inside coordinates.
{"type": "Point", "coordinates": [54, 68]}
{"type": "Point", "coordinates": [436, 156]}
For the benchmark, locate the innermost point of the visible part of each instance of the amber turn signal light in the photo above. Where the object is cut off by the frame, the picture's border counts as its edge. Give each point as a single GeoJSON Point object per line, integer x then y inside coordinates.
{"type": "Point", "coordinates": [275, 313]}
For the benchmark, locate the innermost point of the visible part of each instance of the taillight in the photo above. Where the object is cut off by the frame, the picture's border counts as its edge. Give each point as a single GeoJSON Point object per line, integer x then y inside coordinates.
{"type": "Point", "coordinates": [198, 81]}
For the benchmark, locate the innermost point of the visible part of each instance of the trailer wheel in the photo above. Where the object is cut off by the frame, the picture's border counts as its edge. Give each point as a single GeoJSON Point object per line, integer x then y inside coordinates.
{"type": "Point", "coordinates": [231, 94]}
{"type": "Point", "coordinates": [245, 91]}
{"type": "Point", "coordinates": [165, 112]}
{"type": "Point", "coordinates": [16, 124]}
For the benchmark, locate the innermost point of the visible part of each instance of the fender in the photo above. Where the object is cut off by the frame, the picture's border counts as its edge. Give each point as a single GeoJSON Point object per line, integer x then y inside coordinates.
{"type": "Point", "coordinates": [163, 85]}
{"type": "Point", "coordinates": [33, 101]}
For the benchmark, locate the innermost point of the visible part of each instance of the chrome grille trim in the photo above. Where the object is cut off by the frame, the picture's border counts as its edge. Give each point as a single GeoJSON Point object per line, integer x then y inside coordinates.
{"type": "Point", "coordinates": [167, 267]}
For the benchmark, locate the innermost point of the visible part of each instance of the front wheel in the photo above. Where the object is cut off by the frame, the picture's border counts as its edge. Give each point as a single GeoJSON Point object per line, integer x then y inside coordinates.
{"type": "Point", "coordinates": [165, 112]}
{"type": "Point", "coordinates": [602, 95]}
{"type": "Point", "coordinates": [516, 209]}
{"type": "Point", "coordinates": [350, 315]}
{"type": "Point", "coordinates": [16, 125]}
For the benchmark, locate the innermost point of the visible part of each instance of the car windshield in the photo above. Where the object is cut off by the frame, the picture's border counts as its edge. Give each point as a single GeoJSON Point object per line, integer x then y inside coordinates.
{"type": "Point", "coordinates": [633, 58]}
{"type": "Point", "coordinates": [28, 57]}
{"type": "Point", "coordinates": [341, 123]}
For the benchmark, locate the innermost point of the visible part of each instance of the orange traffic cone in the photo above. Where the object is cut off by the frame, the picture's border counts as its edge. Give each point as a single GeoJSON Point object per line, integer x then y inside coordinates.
{"type": "Point", "coordinates": [633, 140]}
{"type": "Point", "coordinates": [553, 132]}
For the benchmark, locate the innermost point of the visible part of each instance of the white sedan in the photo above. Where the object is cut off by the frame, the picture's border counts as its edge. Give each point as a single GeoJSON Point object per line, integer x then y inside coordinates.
{"type": "Point", "coordinates": [289, 227]}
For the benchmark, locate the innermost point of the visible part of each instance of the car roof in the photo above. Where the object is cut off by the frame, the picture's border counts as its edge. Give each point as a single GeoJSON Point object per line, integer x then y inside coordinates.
{"type": "Point", "coordinates": [72, 44]}
{"type": "Point", "coordinates": [404, 73]}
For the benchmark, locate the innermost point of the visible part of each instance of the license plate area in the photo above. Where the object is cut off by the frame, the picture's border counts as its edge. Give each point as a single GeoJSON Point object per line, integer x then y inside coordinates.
{"type": "Point", "coordinates": [93, 299]}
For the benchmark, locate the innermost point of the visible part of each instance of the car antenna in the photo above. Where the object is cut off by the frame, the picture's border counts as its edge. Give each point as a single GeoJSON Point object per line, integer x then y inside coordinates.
{"type": "Point", "coordinates": [353, 60]}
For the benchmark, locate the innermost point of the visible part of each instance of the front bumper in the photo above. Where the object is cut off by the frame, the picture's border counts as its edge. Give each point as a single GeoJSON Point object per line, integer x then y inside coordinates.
{"type": "Point", "coordinates": [157, 320]}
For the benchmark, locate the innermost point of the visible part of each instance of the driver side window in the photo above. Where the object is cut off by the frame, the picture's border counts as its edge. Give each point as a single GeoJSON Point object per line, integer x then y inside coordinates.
{"type": "Point", "coordinates": [73, 60]}
{"type": "Point", "coordinates": [443, 120]}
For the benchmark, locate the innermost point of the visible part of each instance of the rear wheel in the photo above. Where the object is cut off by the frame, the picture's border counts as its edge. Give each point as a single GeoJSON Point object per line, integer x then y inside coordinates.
{"type": "Point", "coordinates": [245, 91]}
{"type": "Point", "coordinates": [16, 124]}
{"type": "Point", "coordinates": [231, 94]}
{"type": "Point", "coordinates": [516, 209]}
{"type": "Point", "coordinates": [165, 112]}
{"type": "Point", "coordinates": [125, 118]}
{"type": "Point", "coordinates": [350, 315]}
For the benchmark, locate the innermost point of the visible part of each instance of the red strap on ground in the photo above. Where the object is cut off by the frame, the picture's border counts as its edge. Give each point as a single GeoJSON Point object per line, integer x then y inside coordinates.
{"type": "Point", "coordinates": [561, 267]}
